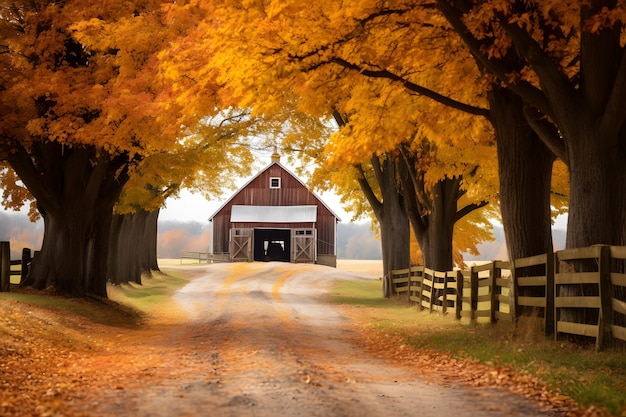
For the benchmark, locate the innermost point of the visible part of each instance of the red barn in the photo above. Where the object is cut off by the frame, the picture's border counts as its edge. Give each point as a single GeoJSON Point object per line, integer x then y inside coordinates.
{"type": "Point", "coordinates": [275, 217]}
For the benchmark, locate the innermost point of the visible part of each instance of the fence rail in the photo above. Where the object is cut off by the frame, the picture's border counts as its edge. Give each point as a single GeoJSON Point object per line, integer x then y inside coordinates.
{"type": "Point", "coordinates": [201, 257]}
{"type": "Point", "coordinates": [13, 272]}
{"type": "Point", "coordinates": [575, 291]}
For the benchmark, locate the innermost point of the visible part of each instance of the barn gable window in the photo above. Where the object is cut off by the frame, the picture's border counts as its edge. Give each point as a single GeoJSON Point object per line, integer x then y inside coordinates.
{"type": "Point", "coordinates": [274, 182]}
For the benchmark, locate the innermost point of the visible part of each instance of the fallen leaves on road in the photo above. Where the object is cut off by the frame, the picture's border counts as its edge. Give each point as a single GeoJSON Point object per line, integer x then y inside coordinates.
{"type": "Point", "coordinates": [51, 360]}
{"type": "Point", "coordinates": [443, 368]}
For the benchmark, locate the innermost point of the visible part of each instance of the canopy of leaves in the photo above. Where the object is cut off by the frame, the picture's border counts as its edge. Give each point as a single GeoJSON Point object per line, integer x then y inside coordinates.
{"type": "Point", "coordinates": [85, 74]}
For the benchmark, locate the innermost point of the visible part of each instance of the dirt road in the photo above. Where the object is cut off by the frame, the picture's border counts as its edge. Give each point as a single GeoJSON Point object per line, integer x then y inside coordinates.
{"type": "Point", "coordinates": [260, 341]}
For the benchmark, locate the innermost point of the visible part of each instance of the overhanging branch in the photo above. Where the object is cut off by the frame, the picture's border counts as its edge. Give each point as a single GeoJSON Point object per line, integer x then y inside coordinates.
{"type": "Point", "coordinates": [386, 74]}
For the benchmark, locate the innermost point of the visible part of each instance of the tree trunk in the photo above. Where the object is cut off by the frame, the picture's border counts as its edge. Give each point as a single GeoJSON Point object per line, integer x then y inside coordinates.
{"type": "Point", "coordinates": [395, 234]}
{"type": "Point", "coordinates": [525, 169]}
{"type": "Point", "coordinates": [392, 218]}
{"type": "Point", "coordinates": [75, 189]}
{"type": "Point", "coordinates": [133, 246]}
{"type": "Point", "coordinates": [432, 213]}
{"type": "Point", "coordinates": [61, 262]}
{"type": "Point", "coordinates": [96, 274]}
{"type": "Point", "coordinates": [438, 255]}
{"type": "Point", "coordinates": [597, 209]}
{"type": "Point", "coordinates": [150, 260]}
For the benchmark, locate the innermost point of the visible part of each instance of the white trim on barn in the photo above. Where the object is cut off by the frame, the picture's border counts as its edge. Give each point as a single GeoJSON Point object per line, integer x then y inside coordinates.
{"type": "Point", "coordinates": [273, 214]}
{"type": "Point", "coordinates": [274, 162]}
{"type": "Point", "coordinates": [261, 222]}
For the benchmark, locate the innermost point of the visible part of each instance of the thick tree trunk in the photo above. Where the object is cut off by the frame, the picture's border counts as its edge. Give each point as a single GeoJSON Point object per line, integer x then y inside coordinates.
{"type": "Point", "coordinates": [150, 260]}
{"type": "Point", "coordinates": [75, 189]}
{"type": "Point", "coordinates": [392, 218]}
{"type": "Point", "coordinates": [432, 213]}
{"type": "Point", "coordinates": [62, 260]}
{"type": "Point", "coordinates": [435, 232]}
{"type": "Point", "coordinates": [96, 275]}
{"type": "Point", "coordinates": [395, 234]}
{"type": "Point", "coordinates": [133, 246]}
{"type": "Point", "coordinates": [74, 250]}
{"type": "Point", "coordinates": [525, 169]}
{"type": "Point", "coordinates": [438, 254]}
{"type": "Point", "coordinates": [597, 209]}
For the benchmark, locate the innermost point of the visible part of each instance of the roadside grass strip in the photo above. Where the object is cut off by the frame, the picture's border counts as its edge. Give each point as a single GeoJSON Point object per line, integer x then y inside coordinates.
{"type": "Point", "coordinates": [595, 381]}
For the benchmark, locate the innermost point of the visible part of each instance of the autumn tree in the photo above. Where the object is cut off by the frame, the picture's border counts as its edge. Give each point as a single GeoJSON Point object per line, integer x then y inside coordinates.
{"type": "Point", "coordinates": [206, 161]}
{"type": "Point", "coordinates": [435, 205]}
{"type": "Point", "coordinates": [381, 41]}
{"type": "Point", "coordinates": [80, 107]}
{"type": "Point", "coordinates": [337, 87]}
{"type": "Point", "coordinates": [572, 82]}
{"type": "Point", "coordinates": [382, 190]}
{"type": "Point", "coordinates": [525, 163]}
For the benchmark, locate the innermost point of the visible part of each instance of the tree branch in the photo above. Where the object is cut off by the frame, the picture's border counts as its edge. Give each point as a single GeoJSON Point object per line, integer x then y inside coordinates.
{"type": "Point", "coordinates": [547, 132]}
{"type": "Point", "coordinates": [386, 74]}
{"type": "Point", "coordinates": [497, 67]}
{"type": "Point", "coordinates": [417, 181]}
{"type": "Point", "coordinates": [614, 115]}
{"type": "Point", "coordinates": [554, 84]}
{"type": "Point", "coordinates": [374, 202]}
{"type": "Point", "coordinates": [468, 209]}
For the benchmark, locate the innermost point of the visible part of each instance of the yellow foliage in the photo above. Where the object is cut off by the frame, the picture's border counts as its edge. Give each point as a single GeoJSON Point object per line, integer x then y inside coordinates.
{"type": "Point", "coordinates": [85, 73]}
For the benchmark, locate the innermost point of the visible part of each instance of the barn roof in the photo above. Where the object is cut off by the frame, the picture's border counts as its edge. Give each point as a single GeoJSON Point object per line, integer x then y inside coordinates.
{"type": "Point", "coordinates": [274, 162]}
{"type": "Point", "coordinates": [273, 214]}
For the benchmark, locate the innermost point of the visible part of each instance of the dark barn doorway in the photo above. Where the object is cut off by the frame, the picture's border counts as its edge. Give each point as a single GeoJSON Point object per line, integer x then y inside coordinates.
{"type": "Point", "coordinates": [272, 245]}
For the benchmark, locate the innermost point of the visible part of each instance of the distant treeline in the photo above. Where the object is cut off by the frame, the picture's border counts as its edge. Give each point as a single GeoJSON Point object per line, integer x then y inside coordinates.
{"type": "Point", "coordinates": [354, 240]}
{"type": "Point", "coordinates": [21, 232]}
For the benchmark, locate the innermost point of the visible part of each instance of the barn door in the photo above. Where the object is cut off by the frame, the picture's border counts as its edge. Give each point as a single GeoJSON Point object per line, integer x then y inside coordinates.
{"type": "Point", "coordinates": [304, 246]}
{"type": "Point", "coordinates": [241, 245]}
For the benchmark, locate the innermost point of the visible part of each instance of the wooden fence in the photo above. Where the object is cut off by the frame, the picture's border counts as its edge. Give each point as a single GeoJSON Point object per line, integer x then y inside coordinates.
{"type": "Point", "coordinates": [201, 257]}
{"type": "Point", "coordinates": [13, 272]}
{"type": "Point", "coordinates": [573, 292]}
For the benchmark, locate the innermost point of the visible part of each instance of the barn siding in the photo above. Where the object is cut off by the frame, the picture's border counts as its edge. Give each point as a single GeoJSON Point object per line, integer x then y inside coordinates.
{"type": "Point", "coordinates": [291, 193]}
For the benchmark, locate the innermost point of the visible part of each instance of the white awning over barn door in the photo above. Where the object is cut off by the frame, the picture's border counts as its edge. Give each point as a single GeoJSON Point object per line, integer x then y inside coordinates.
{"type": "Point", "coordinates": [273, 214]}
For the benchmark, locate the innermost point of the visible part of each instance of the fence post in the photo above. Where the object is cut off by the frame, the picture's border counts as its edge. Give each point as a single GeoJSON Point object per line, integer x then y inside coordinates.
{"type": "Point", "coordinates": [550, 313]}
{"type": "Point", "coordinates": [459, 294]}
{"type": "Point", "coordinates": [444, 295]}
{"type": "Point", "coordinates": [473, 293]}
{"type": "Point", "coordinates": [492, 291]}
{"type": "Point", "coordinates": [5, 266]}
{"type": "Point", "coordinates": [26, 259]}
{"type": "Point", "coordinates": [606, 298]}
{"type": "Point", "coordinates": [513, 305]}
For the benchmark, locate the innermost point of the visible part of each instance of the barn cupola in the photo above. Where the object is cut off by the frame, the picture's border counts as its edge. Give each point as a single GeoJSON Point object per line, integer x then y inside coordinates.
{"type": "Point", "coordinates": [275, 156]}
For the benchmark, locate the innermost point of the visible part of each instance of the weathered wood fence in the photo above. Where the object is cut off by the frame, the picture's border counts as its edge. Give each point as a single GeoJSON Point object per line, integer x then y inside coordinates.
{"type": "Point", "coordinates": [201, 257]}
{"type": "Point", "coordinates": [13, 272]}
{"type": "Point", "coordinates": [575, 292]}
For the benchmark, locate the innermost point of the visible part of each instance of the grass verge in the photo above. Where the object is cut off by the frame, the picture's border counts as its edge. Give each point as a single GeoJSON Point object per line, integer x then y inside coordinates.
{"type": "Point", "coordinates": [591, 379]}
{"type": "Point", "coordinates": [154, 293]}
{"type": "Point", "coordinates": [100, 311]}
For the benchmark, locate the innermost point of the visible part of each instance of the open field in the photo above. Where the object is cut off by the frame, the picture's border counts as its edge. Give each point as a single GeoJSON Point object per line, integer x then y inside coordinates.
{"type": "Point", "coordinates": [372, 268]}
{"type": "Point", "coordinates": [361, 267]}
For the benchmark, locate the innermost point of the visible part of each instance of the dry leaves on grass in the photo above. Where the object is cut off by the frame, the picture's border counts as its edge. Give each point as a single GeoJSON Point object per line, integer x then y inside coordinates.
{"type": "Point", "coordinates": [51, 361]}
{"type": "Point", "coordinates": [47, 357]}
{"type": "Point", "coordinates": [443, 368]}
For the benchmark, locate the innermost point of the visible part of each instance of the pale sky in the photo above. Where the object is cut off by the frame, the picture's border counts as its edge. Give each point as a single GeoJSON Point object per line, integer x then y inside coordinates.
{"type": "Point", "coordinates": [194, 207]}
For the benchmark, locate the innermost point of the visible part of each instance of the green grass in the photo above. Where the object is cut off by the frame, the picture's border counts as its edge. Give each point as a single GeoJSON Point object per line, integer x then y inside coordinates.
{"type": "Point", "coordinates": [589, 377]}
{"type": "Point", "coordinates": [152, 293]}
{"type": "Point", "coordinates": [127, 304]}
{"type": "Point", "coordinates": [99, 311]}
